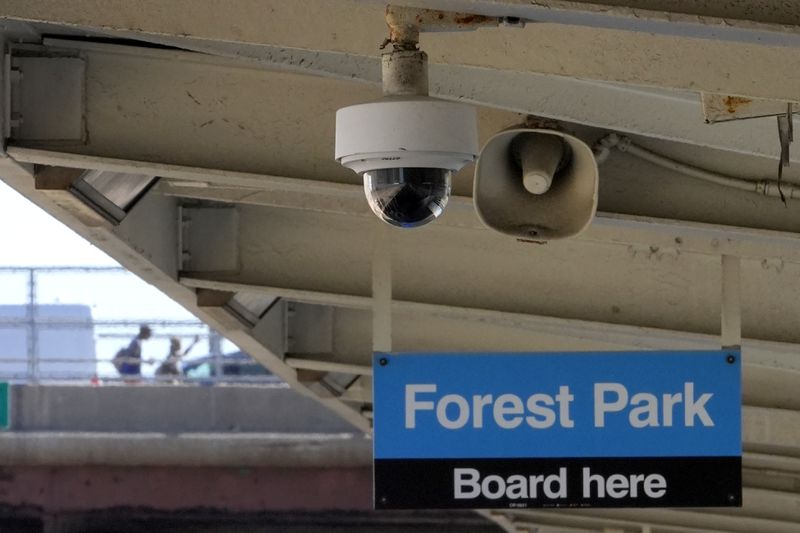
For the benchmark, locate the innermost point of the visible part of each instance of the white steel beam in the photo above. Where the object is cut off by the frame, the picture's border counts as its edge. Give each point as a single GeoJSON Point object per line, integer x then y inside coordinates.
{"type": "Point", "coordinates": [238, 118]}
{"type": "Point", "coordinates": [443, 264]}
{"type": "Point", "coordinates": [328, 366]}
{"type": "Point", "coordinates": [731, 312]}
{"type": "Point", "coordinates": [668, 115]}
{"type": "Point", "coordinates": [661, 234]}
{"type": "Point", "coordinates": [579, 40]}
{"type": "Point", "coordinates": [381, 289]}
{"type": "Point", "coordinates": [666, 236]}
{"type": "Point", "coordinates": [248, 120]}
{"type": "Point", "coordinates": [772, 431]}
{"type": "Point", "coordinates": [772, 23]}
{"type": "Point", "coordinates": [657, 243]}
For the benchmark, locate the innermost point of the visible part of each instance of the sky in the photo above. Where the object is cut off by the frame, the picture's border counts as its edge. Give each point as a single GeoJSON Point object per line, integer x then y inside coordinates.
{"type": "Point", "coordinates": [31, 237]}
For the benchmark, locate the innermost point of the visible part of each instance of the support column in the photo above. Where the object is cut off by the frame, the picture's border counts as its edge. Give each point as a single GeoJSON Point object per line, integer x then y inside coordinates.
{"type": "Point", "coordinates": [382, 290]}
{"type": "Point", "coordinates": [731, 331]}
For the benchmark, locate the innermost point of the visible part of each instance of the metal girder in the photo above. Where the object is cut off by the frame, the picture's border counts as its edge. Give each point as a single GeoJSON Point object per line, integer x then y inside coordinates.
{"type": "Point", "coordinates": [663, 236]}
{"type": "Point", "coordinates": [311, 252]}
{"type": "Point", "coordinates": [143, 104]}
{"type": "Point", "coordinates": [42, 113]}
{"type": "Point", "coordinates": [56, 183]}
{"type": "Point", "coordinates": [241, 119]}
{"type": "Point", "coordinates": [783, 478]}
{"type": "Point", "coordinates": [668, 115]}
{"type": "Point", "coordinates": [578, 40]}
{"type": "Point", "coordinates": [772, 431]}
{"type": "Point", "coordinates": [771, 376]}
{"type": "Point", "coordinates": [248, 120]}
{"type": "Point", "coordinates": [770, 22]}
{"type": "Point", "coordinates": [647, 236]}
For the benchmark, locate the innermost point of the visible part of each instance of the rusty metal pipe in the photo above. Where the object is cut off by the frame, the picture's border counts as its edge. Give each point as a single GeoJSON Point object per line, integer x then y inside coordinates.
{"type": "Point", "coordinates": [406, 23]}
{"type": "Point", "coordinates": [405, 73]}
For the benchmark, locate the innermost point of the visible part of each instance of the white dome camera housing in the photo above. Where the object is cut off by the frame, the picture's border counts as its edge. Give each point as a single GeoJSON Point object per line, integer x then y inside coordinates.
{"type": "Point", "coordinates": [406, 148]}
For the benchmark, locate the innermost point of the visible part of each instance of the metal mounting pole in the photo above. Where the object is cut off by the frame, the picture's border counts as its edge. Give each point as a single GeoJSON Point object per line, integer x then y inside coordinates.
{"type": "Point", "coordinates": [382, 290]}
{"type": "Point", "coordinates": [404, 73]}
{"type": "Point", "coordinates": [33, 333]}
{"type": "Point", "coordinates": [731, 302]}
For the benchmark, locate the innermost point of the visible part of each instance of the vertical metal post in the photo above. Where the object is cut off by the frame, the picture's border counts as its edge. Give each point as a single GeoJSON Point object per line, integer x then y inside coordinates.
{"type": "Point", "coordinates": [381, 296]}
{"type": "Point", "coordinates": [382, 290]}
{"type": "Point", "coordinates": [33, 334]}
{"type": "Point", "coordinates": [731, 331]}
{"type": "Point", "coordinates": [215, 347]}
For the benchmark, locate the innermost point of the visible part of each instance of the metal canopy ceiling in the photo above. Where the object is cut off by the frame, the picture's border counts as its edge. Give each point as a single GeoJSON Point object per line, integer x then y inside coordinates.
{"type": "Point", "coordinates": [254, 227]}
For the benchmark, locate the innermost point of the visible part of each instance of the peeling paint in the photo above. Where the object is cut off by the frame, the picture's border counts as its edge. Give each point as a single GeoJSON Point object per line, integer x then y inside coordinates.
{"type": "Point", "coordinates": [724, 107]}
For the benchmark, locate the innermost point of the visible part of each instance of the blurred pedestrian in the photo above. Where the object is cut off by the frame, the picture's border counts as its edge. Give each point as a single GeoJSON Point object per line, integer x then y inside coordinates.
{"type": "Point", "coordinates": [128, 360]}
{"type": "Point", "coordinates": [170, 365]}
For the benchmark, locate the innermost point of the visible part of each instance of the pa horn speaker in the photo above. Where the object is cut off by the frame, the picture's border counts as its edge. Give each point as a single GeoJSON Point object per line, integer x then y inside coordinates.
{"type": "Point", "coordinates": [536, 184]}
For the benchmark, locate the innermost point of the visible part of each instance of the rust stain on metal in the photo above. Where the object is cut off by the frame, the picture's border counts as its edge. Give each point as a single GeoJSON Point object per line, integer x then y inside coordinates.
{"type": "Point", "coordinates": [472, 19]}
{"type": "Point", "coordinates": [734, 103]}
{"type": "Point", "coordinates": [405, 23]}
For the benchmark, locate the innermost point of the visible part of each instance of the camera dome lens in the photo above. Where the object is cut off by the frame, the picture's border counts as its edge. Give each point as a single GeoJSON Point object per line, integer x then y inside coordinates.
{"type": "Point", "coordinates": [407, 197]}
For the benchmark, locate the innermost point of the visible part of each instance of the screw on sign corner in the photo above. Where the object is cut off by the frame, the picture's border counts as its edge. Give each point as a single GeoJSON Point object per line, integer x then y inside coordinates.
{"type": "Point", "coordinates": [730, 359]}
{"type": "Point", "coordinates": [383, 361]}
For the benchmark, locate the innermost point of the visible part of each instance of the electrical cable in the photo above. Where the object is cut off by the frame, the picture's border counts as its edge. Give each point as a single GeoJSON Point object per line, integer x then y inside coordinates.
{"type": "Point", "coordinates": [766, 187]}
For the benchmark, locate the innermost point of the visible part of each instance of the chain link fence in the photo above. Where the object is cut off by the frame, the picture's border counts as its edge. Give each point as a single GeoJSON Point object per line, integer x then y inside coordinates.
{"type": "Point", "coordinates": [66, 324]}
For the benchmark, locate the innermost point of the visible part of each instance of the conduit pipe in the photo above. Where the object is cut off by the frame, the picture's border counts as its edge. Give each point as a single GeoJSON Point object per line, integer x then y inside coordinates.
{"type": "Point", "coordinates": [406, 23]}
{"type": "Point", "coordinates": [603, 147]}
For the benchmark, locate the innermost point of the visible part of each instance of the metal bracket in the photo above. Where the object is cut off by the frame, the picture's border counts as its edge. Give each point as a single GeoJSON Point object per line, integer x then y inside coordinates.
{"type": "Point", "coordinates": [45, 98]}
{"type": "Point", "coordinates": [310, 329]}
{"type": "Point", "coordinates": [381, 290]}
{"type": "Point", "coordinates": [731, 312]}
{"type": "Point", "coordinates": [724, 108]}
{"type": "Point", "coordinates": [208, 239]}
{"type": "Point", "coordinates": [272, 329]}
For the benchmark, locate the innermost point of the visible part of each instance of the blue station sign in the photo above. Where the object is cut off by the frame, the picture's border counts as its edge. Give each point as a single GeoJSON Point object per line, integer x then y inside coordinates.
{"type": "Point", "coordinates": [659, 429]}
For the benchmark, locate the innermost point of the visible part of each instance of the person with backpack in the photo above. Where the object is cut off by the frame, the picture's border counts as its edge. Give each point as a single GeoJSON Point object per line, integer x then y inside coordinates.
{"type": "Point", "coordinates": [128, 360]}
{"type": "Point", "coordinates": [170, 365]}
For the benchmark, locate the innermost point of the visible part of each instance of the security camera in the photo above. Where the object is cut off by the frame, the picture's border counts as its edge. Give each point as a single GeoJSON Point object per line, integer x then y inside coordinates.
{"type": "Point", "coordinates": [406, 149]}
{"type": "Point", "coordinates": [407, 145]}
{"type": "Point", "coordinates": [536, 184]}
